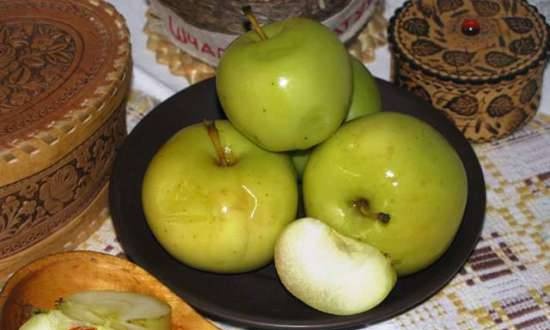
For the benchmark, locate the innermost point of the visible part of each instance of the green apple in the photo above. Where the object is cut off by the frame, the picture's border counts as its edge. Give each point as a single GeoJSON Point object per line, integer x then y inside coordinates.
{"type": "Point", "coordinates": [299, 159]}
{"type": "Point", "coordinates": [365, 99]}
{"type": "Point", "coordinates": [289, 90]}
{"type": "Point", "coordinates": [216, 201]}
{"type": "Point", "coordinates": [392, 181]}
{"type": "Point", "coordinates": [329, 271]}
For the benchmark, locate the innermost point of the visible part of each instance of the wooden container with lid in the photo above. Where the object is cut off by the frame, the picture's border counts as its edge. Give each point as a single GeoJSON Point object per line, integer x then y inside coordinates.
{"type": "Point", "coordinates": [64, 76]}
{"type": "Point", "coordinates": [481, 62]}
{"type": "Point", "coordinates": [205, 28]}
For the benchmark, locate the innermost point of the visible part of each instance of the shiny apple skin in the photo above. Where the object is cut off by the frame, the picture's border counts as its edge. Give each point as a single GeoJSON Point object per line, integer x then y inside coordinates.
{"type": "Point", "coordinates": [291, 91]}
{"type": "Point", "coordinates": [404, 168]}
{"type": "Point", "coordinates": [365, 99]}
{"type": "Point", "coordinates": [365, 96]}
{"type": "Point", "coordinates": [214, 218]}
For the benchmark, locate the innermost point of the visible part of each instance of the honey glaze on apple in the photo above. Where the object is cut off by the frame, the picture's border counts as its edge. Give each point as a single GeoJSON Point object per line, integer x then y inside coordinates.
{"type": "Point", "coordinates": [392, 181]}
{"type": "Point", "coordinates": [286, 85]}
{"type": "Point", "coordinates": [216, 201]}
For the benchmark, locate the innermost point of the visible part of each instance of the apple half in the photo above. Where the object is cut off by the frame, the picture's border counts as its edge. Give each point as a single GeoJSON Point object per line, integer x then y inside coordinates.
{"type": "Point", "coordinates": [331, 272]}
{"type": "Point", "coordinates": [120, 310]}
{"type": "Point", "coordinates": [103, 310]}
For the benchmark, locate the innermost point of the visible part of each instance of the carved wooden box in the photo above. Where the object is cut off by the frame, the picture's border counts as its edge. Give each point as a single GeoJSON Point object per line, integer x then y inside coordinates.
{"type": "Point", "coordinates": [64, 76]}
{"type": "Point", "coordinates": [481, 62]}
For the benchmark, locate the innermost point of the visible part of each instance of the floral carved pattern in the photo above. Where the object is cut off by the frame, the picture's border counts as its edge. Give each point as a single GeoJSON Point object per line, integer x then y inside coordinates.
{"type": "Point", "coordinates": [500, 106]}
{"type": "Point", "coordinates": [34, 58]}
{"type": "Point", "coordinates": [523, 46]}
{"type": "Point", "coordinates": [486, 8]}
{"type": "Point", "coordinates": [59, 189]}
{"type": "Point", "coordinates": [424, 47]}
{"type": "Point", "coordinates": [499, 59]}
{"type": "Point", "coordinates": [464, 105]}
{"type": "Point", "coordinates": [457, 58]}
{"type": "Point", "coordinates": [33, 208]}
{"type": "Point", "coordinates": [519, 24]}
{"type": "Point", "coordinates": [417, 26]}
{"type": "Point", "coordinates": [449, 5]}
{"type": "Point", "coordinates": [528, 91]}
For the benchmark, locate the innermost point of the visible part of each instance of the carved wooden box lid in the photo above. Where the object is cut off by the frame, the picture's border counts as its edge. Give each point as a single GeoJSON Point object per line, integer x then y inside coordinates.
{"type": "Point", "coordinates": [447, 50]}
{"type": "Point", "coordinates": [64, 74]}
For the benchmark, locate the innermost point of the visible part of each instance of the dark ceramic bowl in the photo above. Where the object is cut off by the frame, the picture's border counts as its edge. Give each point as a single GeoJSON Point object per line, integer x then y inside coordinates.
{"type": "Point", "coordinates": [257, 299]}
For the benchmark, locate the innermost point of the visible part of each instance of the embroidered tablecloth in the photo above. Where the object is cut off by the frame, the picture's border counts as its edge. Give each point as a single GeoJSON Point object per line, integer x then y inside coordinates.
{"type": "Point", "coordinates": [506, 282]}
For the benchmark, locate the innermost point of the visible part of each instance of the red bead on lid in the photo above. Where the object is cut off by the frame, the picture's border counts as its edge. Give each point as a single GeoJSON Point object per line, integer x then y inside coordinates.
{"type": "Point", "coordinates": [470, 26]}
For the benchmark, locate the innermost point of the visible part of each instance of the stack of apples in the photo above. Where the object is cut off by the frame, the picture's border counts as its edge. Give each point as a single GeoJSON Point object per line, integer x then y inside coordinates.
{"type": "Point", "coordinates": [383, 193]}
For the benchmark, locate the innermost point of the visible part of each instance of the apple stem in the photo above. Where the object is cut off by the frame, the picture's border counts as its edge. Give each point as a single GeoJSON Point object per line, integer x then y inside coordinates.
{"type": "Point", "coordinates": [224, 156]}
{"type": "Point", "coordinates": [363, 206]}
{"type": "Point", "coordinates": [247, 10]}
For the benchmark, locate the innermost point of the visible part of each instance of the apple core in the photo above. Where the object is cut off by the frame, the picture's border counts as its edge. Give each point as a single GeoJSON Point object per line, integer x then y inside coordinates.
{"type": "Point", "coordinates": [363, 207]}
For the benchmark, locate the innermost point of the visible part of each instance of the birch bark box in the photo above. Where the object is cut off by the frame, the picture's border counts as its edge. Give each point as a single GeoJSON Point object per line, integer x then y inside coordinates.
{"type": "Point", "coordinates": [481, 62]}
{"type": "Point", "coordinates": [64, 76]}
{"type": "Point", "coordinates": [204, 29]}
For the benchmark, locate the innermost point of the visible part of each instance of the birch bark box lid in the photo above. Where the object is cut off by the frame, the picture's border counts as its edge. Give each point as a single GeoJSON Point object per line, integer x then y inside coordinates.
{"type": "Point", "coordinates": [481, 62]}
{"type": "Point", "coordinates": [204, 29]}
{"type": "Point", "coordinates": [64, 76]}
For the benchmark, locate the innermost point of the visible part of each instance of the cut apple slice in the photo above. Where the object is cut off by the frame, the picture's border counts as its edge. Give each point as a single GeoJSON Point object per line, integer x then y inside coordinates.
{"type": "Point", "coordinates": [329, 271]}
{"type": "Point", "coordinates": [57, 320]}
{"type": "Point", "coordinates": [118, 310]}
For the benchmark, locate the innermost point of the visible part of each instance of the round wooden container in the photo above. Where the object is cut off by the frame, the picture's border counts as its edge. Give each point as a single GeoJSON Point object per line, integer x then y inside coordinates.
{"type": "Point", "coordinates": [64, 76]}
{"type": "Point", "coordinates": [479, 61]}
{"type": "Point", "coordinates": [204, 29]}
{"type": "Point", "coordinates": [43, 282]}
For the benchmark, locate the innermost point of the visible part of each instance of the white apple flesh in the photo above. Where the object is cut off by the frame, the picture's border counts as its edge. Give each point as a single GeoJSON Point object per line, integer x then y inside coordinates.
{"type": "Point", "coordinates": [120, 310]}
{"type": "Point", "coordinates": [331, 272]}
{"type": "Point", "coordinates": [55, 320]}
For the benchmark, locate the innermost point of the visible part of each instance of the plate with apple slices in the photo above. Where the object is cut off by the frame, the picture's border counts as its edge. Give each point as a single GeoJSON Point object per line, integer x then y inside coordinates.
{"type": "Point", "coordinates": [257, 298]}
